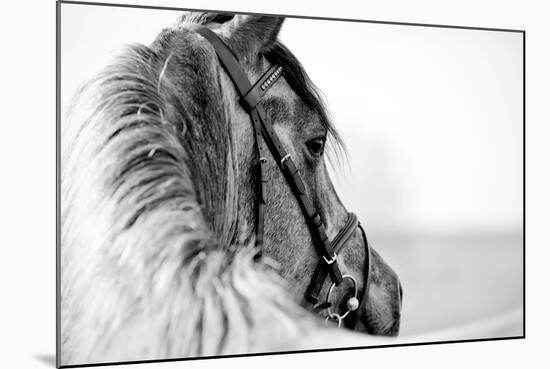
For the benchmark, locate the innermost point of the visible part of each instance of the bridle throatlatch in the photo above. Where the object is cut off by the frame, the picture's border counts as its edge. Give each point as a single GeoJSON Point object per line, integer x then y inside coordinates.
{"type": "Point", "coordinates": [251, 96]}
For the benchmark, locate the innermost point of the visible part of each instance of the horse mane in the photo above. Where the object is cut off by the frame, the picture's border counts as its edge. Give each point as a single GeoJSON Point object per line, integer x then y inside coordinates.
{"type": "Point", "coordinates": [147, 269]}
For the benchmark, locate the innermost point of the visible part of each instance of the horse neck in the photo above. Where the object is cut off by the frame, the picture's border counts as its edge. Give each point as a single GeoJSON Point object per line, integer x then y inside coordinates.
{"type": "Point", "coordinates": [195, 93]}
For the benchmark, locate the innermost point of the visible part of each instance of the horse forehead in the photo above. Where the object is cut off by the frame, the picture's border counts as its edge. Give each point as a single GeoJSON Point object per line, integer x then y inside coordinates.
{"type": "Point", "coordinates": [279, 107]}
{"type": "Point", "coordinates": [287, 109]}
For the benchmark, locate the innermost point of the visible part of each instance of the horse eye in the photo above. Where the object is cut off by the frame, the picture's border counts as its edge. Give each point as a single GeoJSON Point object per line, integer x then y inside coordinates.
{"type": "Point", "coordinates": [316, 146]}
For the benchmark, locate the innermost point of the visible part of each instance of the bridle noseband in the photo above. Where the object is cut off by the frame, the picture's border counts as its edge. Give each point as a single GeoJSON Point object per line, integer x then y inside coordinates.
{"type": "Point", "coordinates": [251, 96]}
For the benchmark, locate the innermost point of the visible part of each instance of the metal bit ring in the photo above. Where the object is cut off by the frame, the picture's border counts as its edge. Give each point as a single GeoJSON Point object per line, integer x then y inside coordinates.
{"type": "Point", "coordinates": [333, 315]}
{"type": "Point", "coordinates": [336, 318]}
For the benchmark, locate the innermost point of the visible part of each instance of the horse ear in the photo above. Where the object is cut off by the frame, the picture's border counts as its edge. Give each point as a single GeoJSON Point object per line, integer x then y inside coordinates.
{"type": "Point", "coordinates": [250, 35]}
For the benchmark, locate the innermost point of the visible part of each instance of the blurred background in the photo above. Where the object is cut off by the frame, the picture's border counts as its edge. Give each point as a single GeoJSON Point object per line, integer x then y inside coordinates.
{"type": "Point", "coordinates": [432, 121]}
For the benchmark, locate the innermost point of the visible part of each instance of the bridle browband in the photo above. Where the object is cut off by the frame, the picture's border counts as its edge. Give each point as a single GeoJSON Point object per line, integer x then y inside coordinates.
{"type": "Point", "coordinates": [251, 96]}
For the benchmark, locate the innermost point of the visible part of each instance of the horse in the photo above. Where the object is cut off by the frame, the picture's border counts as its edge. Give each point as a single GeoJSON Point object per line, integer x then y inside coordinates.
{"type": "Point", "coordinates": [158, 208]}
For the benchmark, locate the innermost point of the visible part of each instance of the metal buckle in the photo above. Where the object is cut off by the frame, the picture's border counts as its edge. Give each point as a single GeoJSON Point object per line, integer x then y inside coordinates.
{"type": "Point", "coordinates": [331, 260]}
{"type": "Point", "coordinates": [285, 158]}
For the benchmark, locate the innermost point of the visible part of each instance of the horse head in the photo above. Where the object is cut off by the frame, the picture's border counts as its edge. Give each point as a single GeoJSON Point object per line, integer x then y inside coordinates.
{"type": "Point", "coordinates": [302, 123]}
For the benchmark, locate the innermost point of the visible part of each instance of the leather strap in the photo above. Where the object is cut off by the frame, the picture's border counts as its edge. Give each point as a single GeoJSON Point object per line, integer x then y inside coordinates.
{"type": "Point", "coordinates": [254, 95]}
{"type": "Point", "coordinates": [352, 318]}
{"type": "Point", "coordinates": [228, 59]}
{"type": "Point", "coordinates": [313, 291]}
{"type": "Point", "coordinates": [262, 182]}
{"type": "Point", "coordinates": [250, 100]}
{"type": "Point", "coordinates": [317, 229]}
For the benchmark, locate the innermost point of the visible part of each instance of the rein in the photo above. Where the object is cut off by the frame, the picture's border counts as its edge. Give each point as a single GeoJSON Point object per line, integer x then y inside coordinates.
{"type": "Point", "coordinates": [251, 96]}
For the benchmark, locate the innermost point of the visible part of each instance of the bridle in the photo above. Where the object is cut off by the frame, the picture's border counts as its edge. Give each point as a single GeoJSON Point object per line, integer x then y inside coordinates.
{"type": "Point", "coordinates": [251, 96]}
